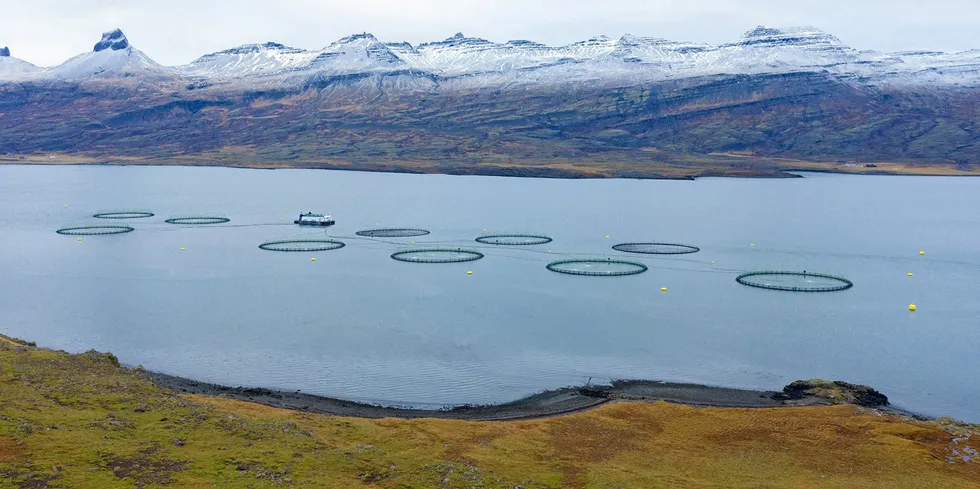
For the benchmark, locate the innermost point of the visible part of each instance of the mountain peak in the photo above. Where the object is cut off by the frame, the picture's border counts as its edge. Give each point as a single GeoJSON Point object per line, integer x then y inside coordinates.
{"type": "Point", "coordinates": [630, 39]}
{"type": "Point", "coordinates": [763, 35]}
{"type": "Point", "coordinates": [274, 46]}
{"type": "Point", "coordinates": [253, 49]}
{"type": "Point", "coordinates": [800, 32]}
{"type": "Point", "coordinates": [5, 51]}
{"type": "Point", "coordinates": [523, 43]}
{"type": "Point", "coordinates": [766, 31]}
{"type": "Point", "coordinates": [357, 37]}
{"type": "Point", "coordinates": [458, 39]}
{"type": "Point", "coordinates": [114, 40]}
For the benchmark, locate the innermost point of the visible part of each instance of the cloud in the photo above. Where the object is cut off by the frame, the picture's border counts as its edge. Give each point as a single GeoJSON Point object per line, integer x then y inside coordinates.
{"type": "Point", "coordinates": [47, 32]}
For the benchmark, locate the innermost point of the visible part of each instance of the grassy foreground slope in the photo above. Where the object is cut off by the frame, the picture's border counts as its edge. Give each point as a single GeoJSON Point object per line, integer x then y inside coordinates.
{"type": "Point", "coordinates": [82, 421]}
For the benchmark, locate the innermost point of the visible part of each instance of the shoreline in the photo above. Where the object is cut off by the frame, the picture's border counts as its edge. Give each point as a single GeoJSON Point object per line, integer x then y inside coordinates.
{"type": "Point", "coordinates": [546, 404]}
{"type": "Point", "coordinates": [545, 171]}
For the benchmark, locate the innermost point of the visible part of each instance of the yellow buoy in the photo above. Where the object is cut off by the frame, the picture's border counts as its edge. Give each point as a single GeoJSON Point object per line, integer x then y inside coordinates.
{"type": "Point", "coordinates": [280, 218]}
{"type": "Point", "coordinates": [469, 273]}
{"type": "Point", "coordinates": [549, 251]}
{"type": "Point", "coordinates": [312, 259]}
{"type": "Point", "coordinates": [922, 253]}
{"type": "Point", "coordinates": [607, 237]}
{"type": "Point", "coordinates": [79, 239]}
{"type": "Point", "coordinates": [753, 244]}
{"type": "Point", "coordinates": [912, 307]}
{"type": "Point", "coordinates": [66, 205]}
{"type": "Point", "coordinates": [182, 249]}
{"type": "Point", "coordinates": [663, 289]}
{"type": "Point", "coordinates": [712, 262]}
{"type": "Point", "coordinates": [909, 274]}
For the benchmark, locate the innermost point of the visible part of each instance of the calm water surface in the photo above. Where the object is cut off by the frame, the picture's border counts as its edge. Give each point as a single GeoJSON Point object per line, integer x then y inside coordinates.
{"type": "Point", "coordinates": [356, 324]}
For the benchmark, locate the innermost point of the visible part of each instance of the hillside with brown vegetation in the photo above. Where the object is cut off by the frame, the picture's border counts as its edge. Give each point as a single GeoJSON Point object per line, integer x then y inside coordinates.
{"type": "Point", "coordinates": [83, 421]}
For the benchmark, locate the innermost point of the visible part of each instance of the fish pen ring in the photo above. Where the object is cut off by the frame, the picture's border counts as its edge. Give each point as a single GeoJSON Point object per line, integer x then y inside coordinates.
{"type": "Point", "coordinates": [794, 281]}
{"type": "Point", "coordinates": [299, 245]}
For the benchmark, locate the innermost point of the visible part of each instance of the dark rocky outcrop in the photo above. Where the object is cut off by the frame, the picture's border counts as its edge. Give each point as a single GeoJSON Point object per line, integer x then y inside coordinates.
{"type": "Point", "coordinates": [101, 357]}
{"type": "Point", "coordinates": [4, 51]}
{"type": "Point", "coordinates": [835, 391]}
{"type": "Point", "coordinates": [114, 40]}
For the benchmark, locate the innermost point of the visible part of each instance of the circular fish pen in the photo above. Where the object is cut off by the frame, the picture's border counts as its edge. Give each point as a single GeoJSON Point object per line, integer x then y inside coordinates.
{"type": "Point", "coordinates": [437, 255]}
{"type": "Point", "coordinates": [794, 281]}
{"type": "Point", "coordinates": [392, 232]}
{"type": "Point", "coordinates": [197, 221]}
{"type": "Point", "coordinates": [657, 248]}
{"type": "Point", "coordinates": [597, 267]}
{"type": "Point", "coordinates": [94, 230]}
{"type": "Point", "coordinates": [513, 239]}
{"type": "Point", "coordinates": [298, 245]}
{"type": "Point", "coordinates": [122, 215]}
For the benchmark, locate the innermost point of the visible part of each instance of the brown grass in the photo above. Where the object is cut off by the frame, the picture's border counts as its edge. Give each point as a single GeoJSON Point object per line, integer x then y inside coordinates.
{"type": "Point", "coordinates": [82, 421]}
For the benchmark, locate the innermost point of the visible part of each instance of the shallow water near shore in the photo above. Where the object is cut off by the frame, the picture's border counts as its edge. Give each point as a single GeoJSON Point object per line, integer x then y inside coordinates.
{"type": "Point", "coordinates": [356, 324]}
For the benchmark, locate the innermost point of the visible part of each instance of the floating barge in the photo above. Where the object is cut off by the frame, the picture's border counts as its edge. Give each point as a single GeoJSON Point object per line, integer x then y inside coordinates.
{"type": "Point", "coordinates": [312, 219]}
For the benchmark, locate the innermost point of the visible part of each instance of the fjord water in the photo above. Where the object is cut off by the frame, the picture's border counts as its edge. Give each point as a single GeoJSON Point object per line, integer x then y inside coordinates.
{"type": "Point", "coordinates": [356, 324]}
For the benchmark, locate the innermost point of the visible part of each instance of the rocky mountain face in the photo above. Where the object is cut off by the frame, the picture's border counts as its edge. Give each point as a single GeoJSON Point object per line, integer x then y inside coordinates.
{"type": "Point", "coordinates": [114, 40]}
{"type": "Point", "coordinates": [641, 103]}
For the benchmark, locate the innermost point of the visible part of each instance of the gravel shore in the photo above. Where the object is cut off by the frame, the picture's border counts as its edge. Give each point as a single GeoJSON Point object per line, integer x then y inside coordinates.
{"type": "Point", "coordinates": [545, 404]}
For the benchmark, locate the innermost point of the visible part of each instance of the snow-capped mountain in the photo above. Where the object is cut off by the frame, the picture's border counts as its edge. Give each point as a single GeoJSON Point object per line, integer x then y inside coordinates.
{"type": "Point", "coordinates": [111, 57]}
{"type": "Point", "coordinates": [463, 60]}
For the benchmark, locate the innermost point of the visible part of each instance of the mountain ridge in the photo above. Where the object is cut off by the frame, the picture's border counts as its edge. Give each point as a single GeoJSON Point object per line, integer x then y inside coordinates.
{"type": "Point", "coordinates": [760, 50]}
{"type": "Point", "coordinates": [642, 107]}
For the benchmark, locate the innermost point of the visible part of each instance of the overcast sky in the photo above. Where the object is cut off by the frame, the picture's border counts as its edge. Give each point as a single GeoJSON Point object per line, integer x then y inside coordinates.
{"type": "Point", "coordinates": [47, 32]}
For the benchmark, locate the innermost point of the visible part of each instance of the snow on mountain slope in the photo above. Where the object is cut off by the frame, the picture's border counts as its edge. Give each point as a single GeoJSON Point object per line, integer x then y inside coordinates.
{"type": "Point", "coordinates": [356, 53]}
{"type": "Point", "coordinates": [461, 55]}
{"type": "Point", "coordinates": [930, 68]}
{"type": "Point", "coordinates": [111, 56]}
{"type": "Point", "coordinates": [796, 49]}
{"type": "Point", "coordinates": [12, 69]}
{"type": "Point", "coordinates": [273, 63]}
{"type": "Point", "coordinates": [249, 60]}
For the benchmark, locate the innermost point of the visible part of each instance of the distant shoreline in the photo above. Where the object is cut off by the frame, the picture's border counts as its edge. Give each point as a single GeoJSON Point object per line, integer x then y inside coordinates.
{"type": "Point", "coordinates": [586, 170]}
